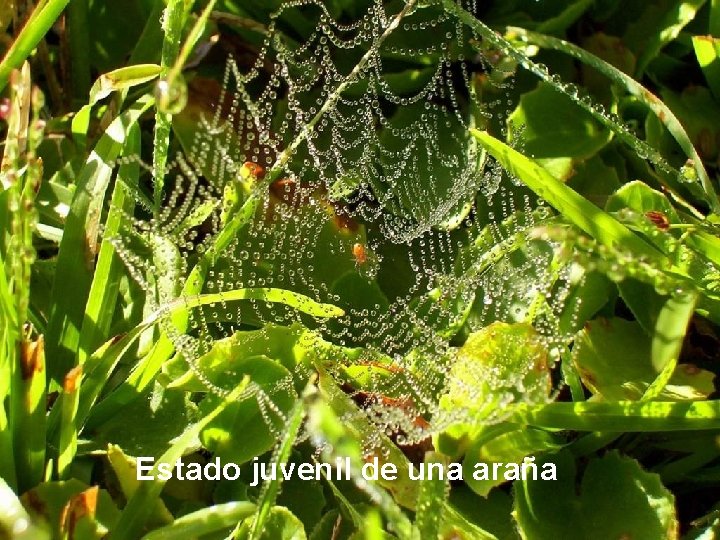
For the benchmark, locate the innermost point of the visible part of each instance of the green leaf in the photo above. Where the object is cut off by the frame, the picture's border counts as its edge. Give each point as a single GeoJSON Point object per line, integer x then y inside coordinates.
{"type": "Point", "coordinates": [617, 499]}
{"type": "Point", "coordinates": [76, 258]}
{"type": "Point", "coordinates": [500, 365]}
{"type": "Point", "coordinates": [246, 428]}
{"type": "Point", "coordinates": [102, 298]}
{"type": "Point", "coordinates": [121, 79]}
{"type": "Point", "coordinates": [141, 504]}
{"type": "Point", "coordinates": [549, 125]}
{"type": "Point", "coordinates": [165, 415]}
{"type": "Point", "coordinates": [512, 446]}
{"type": "Point", "coordinates": [614, 358]}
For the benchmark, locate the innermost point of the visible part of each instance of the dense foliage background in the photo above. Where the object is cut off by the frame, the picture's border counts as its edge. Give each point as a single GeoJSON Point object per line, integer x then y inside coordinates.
{"type": "Point", "coordinates": [538, 276]}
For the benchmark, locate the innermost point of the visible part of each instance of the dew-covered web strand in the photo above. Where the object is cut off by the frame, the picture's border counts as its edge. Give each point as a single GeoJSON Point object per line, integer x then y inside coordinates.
{"type": "Point", "coordinates": [427, 231]}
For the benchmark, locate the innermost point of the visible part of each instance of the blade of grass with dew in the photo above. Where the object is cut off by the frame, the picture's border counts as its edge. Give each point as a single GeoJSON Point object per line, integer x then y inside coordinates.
{"type": "Point", "coordinates": [174, 18]}
{"type": "Point", "coordinates": [41, 20]}
{"type": "Point", "coordinates": [662, 111]}
{"type": "Point", "coordinates": [540, 71]}
{"type": "Point", "coordinates": [76, 257]}
{"type": "Point", "coordinates": [102, 298]}
{"type": "Point", "coordinates": [271, 488]}
{"type": "Point", "coordinates": [140, 506]}
{"type": "Point", "coordinates": [206, 521]}
{"type": "Point", "coordinates": [582, 213]}
{"type": "Point", "coordinates": [640, 416]}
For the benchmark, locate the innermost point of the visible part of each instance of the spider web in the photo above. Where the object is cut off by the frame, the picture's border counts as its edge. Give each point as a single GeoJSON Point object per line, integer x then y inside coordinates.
{"type": "Point", "coordinates": [383, 205]}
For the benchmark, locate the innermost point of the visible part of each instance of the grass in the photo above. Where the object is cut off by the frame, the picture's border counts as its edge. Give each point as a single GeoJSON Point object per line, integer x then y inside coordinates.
{"type": "Point", "coordinates": [277, 312]}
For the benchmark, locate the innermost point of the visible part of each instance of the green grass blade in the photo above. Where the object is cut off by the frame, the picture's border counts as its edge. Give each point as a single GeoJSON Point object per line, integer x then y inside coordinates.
{"type": "Point", "coordinates": [206, 521]}
{"type": "Point", "coordinates": [667, 341]}
{"type": "Point", "coordinates": [174, 17]}
{"type": "Point", "coordinates": [271, 489]}
{"type": "Point", "coordinates": [69, 401]}
{"type": "Point", "coordinates": [640, 416]}
{"type": "Point", "coordinates": [34, 30]}
{"type": "Point", "coordinates": [141, 504]}
{"type": "Point", "coordinates": [582, 213]}
{"type": "Point", "coordinates": [707, 52]}
{"type": "Point", "coordinates": [496, 40]}
{"type": "Point", "coordinates": [76, 258]}
{"type": "Point", "coordinates": [27, 413]}
{"type": "Point", "coordinates": [144, 373]}
{"type": "Point", "coordinates": [102, 298]}
{"type": "Point", "coordinates": [432, 496]}
{"type": "Point", "coordinates": [662, 111]}
{"type": "Point", "coordinates": [674, 21]}
{"type": "Point", "coordinates": [79, 41]}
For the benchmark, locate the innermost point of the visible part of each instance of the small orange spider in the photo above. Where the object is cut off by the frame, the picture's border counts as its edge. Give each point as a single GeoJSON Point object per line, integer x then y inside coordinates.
{"type": "Point", "coordinates": [360, 253]}
{"type": "Point", "coordinates": [258, 171]}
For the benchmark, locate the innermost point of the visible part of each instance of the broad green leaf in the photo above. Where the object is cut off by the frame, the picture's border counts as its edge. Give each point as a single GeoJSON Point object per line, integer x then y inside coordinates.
{"type": "Point", "coordinates": [141, 504]}
{"type": "Point", "coordinates": [548, 125]}
{"type": "Point", "coordinates": [248, 427]}
{"type": "Point", "coordinates": [617, 499]}
{"type": "Point", "coordinates": [500, 365]}
{"type": "Point", "coordinates": [165, 415]}
{"type": "Point", "coordinates": [614, 358]}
